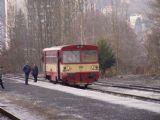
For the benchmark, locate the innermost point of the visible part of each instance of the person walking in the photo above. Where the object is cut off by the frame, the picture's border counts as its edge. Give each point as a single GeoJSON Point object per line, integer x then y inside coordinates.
{"type": "Point", "coordinates": [35, 72]}
{"type": "Point", "coordinates": [1, 72]}
{"type": "Point", "coordinates": [26, 70]}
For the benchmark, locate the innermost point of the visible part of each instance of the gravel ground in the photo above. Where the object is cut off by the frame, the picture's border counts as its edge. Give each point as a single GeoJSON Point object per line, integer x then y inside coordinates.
{"type": "Point", "coordinates": [56, 105]}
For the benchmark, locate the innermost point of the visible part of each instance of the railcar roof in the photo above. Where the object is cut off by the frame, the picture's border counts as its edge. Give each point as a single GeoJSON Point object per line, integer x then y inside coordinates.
{"type": "Point", "coordinates": [54, 48]}
{"type": "Point", "coordinates": [57, 47]}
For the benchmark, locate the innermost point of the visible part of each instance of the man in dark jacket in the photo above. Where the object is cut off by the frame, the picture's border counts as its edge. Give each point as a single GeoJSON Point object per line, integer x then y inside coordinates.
{"type": "Point", "coordinates": [35, 72]}
{"type": "Point", "coordinates": [1, 72]}
{"type": "Point", "coordinates": [26, 70]}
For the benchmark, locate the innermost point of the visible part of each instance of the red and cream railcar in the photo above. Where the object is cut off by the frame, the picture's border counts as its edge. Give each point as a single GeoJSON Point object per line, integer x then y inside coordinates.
{"type": "Point", "coordinates": [71, 64]}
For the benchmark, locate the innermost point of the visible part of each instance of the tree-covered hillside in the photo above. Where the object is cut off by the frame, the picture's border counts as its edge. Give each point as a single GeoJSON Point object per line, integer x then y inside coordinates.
{"type": "Point", "coordinates": [2, 23]}
{"type": "Point", "coordinates": [1, 9]}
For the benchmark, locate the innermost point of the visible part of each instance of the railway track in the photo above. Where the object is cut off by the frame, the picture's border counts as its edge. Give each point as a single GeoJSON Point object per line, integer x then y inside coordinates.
{"type": "Point", "coordinates": [146, 93]}
{"type": "Point", "coordinates": [129, 86]}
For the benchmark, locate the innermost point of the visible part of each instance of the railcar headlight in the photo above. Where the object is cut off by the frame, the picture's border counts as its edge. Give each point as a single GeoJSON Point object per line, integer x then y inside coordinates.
{"type": "Point", "coordinates": [66, 68]}
{"type": "Point", "coordinates": [94, 67]}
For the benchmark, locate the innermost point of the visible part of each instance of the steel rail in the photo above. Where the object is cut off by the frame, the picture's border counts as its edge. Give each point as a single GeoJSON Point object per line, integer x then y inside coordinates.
{"type": "Point", "coordinates": [126, 95]}
{"type": "Point", "coordinates": [129, 86]}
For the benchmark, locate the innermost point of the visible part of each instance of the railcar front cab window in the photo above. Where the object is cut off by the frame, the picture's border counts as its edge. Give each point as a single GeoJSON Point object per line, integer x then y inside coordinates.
{"type": "Point", "coordinates": [84, 56]}
{"type": "Point", "coordinates": [88, 56]}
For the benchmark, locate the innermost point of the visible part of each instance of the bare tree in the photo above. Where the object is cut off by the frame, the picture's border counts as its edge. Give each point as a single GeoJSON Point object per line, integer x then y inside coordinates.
{"type": "Point", "coordinates": [49, 23]}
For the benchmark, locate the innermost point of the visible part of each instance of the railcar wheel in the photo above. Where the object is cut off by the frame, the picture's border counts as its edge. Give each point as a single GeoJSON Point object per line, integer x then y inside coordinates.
{"type": "Point", "coordinates": [56, 80]}
{"type": "Point", "coordinates": [49, 78]}
{"type": "Point", "coordinates": [85, 86]}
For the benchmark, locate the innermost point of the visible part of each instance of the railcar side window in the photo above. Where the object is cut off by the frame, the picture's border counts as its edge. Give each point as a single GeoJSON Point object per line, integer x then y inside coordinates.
{"type": "Point", "coordinates": [51, 60]}
{"type": "Point", "coordinates": [51, 53]}
{"type": "Point", "coordinates": [71, 56]}
{"type": "Point", "coordinates": [51, 57]}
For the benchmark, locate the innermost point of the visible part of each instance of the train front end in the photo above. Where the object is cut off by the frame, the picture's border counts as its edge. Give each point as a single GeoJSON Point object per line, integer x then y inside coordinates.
{"type": "Point", "coordinates": [79, 65]}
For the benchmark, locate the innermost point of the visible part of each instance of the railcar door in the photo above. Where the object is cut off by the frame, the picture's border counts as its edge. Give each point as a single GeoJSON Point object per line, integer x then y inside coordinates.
{"type": "Point", "coordinates": [58, 64]}
{"type": "Point", "coordinates": [44, 63]}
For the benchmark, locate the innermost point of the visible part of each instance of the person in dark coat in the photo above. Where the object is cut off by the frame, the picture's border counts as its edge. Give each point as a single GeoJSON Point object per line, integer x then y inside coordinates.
{"type": "Point", "coordinates": [1, 72]}
{"type": "Point", "coordinates": [35, 72]}
{"type": "Point", "coordinates": [26, 70]}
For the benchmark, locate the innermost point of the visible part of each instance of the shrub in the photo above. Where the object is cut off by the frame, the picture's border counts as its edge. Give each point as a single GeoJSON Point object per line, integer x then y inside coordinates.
{"type": "Point", "coordinates": [106, 56]}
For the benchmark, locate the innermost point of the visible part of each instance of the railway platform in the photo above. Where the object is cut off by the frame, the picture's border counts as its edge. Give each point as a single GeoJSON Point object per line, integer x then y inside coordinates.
{"type": "Point", "coordinates": [48, 101]}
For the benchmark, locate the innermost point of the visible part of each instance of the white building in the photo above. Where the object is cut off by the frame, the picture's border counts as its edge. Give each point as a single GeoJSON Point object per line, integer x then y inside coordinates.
{"type": "Point", "coordinates": [126, 1]}
{"type": "Point", "coordinates": [2, 42]}
{"type": "Point", "coordinates": [133, 19]}
{"type": "Point", "coordinates": [107, 10]}
{"type": "Point", "coordinates": [2, 24]}
{"type": "Point", "coordinates": [10, 10]}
